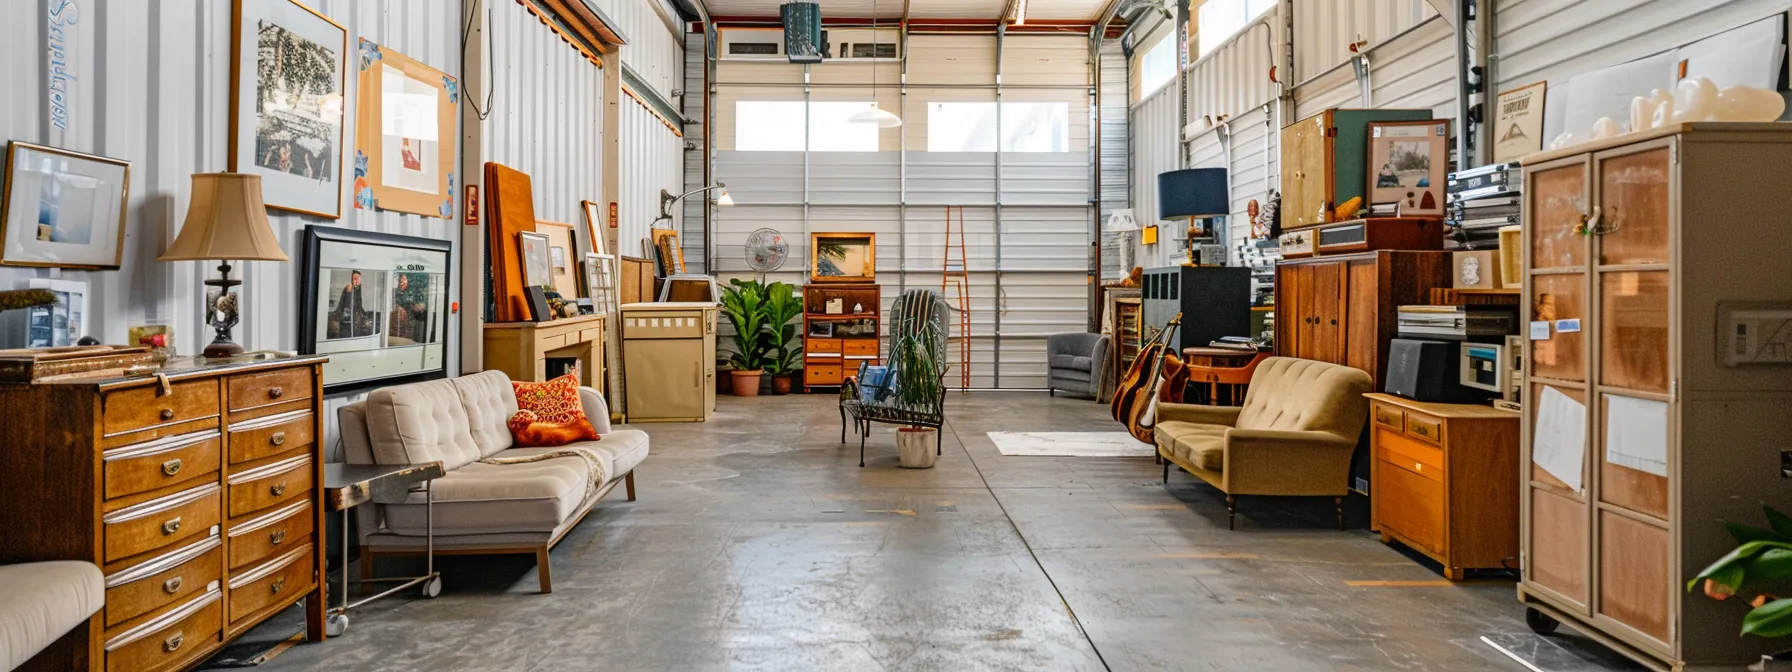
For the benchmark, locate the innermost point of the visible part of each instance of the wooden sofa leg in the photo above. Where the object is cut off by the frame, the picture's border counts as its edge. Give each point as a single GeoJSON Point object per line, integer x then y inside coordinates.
{"type": "Point", "coordinates": [629, 482]}
{"type": "Point", "coordinates": [1340, 502]}
{"type": "Point", "coordinates": [541, 569]}
{"type": "Point", "coordinates": [366, 571]}
{"type": "Point", "coordinates": [1231, 512]}
{"type": "Point", "coordinates": [1166, 471]}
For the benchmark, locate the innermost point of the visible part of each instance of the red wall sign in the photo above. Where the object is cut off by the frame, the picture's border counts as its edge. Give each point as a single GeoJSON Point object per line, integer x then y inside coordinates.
{"type": "Point", "coordinates": [612, 214]}
{"type": "Point", "coordinates": [472, 205]}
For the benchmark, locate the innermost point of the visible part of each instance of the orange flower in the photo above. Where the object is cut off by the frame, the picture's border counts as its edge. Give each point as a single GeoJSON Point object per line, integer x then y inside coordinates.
{"type": "Point", "coordinates": [1717, 591]}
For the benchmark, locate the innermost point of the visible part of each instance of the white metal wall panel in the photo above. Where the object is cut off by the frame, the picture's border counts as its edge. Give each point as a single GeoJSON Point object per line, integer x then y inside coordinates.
{"type": "Point", "coordinates": [855, 178]}
{"type": "Point", "coordinates": [1046, 178]}
{"type": "Point", "coordinates": [546, 112]}
{"type": "Point", "coordinates": [1325, 29]}
{"type": "Point", "coordinates": [916, 105]}
{"type": "Point", "coordinates": [1045, 60]}
{"type": "Point", "coordinates": [951, 59]}
{"type": "Point", "coordinates": [761, 178]}
{"type": "Point", "coordinates": [1253, 171]}
{"type": "Point", "coordinates": [652, 160]}
{"type": "Point", "coordinates": [1115, 173]}
{"type": "Point", "coordinates": [655, 49]}
{"type": "Point", "coordinates": [951, 178]}
{"type": "Point", "coordinates": [733, 225]}
{"type": "Point", "coordinates": [1235, 77]}
{"type": "Point", "coordinates": [1156, 149]}
{"type": "Point", "coordinates": [695, 65]}
{"type": "Point", "coordinates": [1417, 70]}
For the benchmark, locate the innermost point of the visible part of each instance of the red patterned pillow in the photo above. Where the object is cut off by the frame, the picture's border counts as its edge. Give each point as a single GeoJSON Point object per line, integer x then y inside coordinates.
{"type": "Point", "coordinates": [529, 432]}
{"type": "Point", "coordinates": [554, 402]}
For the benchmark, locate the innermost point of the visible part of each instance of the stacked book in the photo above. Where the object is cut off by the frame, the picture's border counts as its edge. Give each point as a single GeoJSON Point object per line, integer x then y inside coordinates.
{"type": "Point", "coordinates": [1481, 201]}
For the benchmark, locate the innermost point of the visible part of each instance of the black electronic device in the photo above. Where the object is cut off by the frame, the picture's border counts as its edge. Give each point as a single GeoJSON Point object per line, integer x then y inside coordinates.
{"type": "Point", "coordinates": [1215, 302]}
{"type": "Point", "coordinates": [1425, 370]}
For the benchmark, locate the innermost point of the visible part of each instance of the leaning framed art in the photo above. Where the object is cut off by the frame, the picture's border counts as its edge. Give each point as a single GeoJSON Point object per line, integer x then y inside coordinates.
{"type": "Point", "coordinates": [377, 304]}
{"type": "Point", "coordinates": [63, 209]}
{"type": "Point", "coordinates": [405, 134]}
{"type": "Point", "coordinates": [288, 67]}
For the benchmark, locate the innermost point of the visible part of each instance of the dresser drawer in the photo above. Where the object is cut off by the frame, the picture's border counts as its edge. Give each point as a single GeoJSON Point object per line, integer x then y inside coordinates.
{"type": "Point", "coordinates": [161, 463]}
{"type": "Point", "coordinates": [1415, 456]}
{"type": "Point", "coordinates": [140, 408]}
{"type": "Point", "coordinates": [860, 347]}
{"type": "Point", "coordinates": [821, 375]}
{"type": "Point", "coordinates": [822, 345]}
{"type": "Point", "coordinates": [270, 436]}
{"type": "Point", "coordinates": [161, 522]}
{"type": "Point", "coordinates": [262, 487]}
{"type": "Point", "coordinates": [1424, 428]}
{"type": "Point", "coordinates": [276, 581]}
{"type": "Point", "coordinates": [1410, 505]}
{"type": "Point", "coordinates": [1390, 417]}
{"type": "Point", "coordinates": [162, 581]}
{"type": "Point", "coordinates": [269, 534]}
{"type": "Point", "coordinates": [171, 642]}
{"type": "Point", "coordinates": [255, 390]}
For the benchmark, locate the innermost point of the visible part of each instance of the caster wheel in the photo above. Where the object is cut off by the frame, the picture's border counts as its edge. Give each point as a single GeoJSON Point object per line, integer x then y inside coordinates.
{"type": "Point", "coordinates": [335, 625]}
{"type": "Point", "coordinates": [1541, 623]}
{"type": "Point", "coordinates": [432, 587]}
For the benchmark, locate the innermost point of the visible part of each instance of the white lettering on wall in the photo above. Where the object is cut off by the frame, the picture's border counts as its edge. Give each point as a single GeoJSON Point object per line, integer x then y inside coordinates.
{"type": "Point", "coordinates": [64, 14]}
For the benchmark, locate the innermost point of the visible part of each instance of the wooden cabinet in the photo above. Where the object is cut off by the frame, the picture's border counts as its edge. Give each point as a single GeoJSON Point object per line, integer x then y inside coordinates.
{"type": "Point", "coordinates": [197, 496]}
{"type": "Point", "coordinates": [1325, 161]}
{"type": "Point", "coordinates": [1123, 312]}
{"type": "Point", "coordinates": [841, 326]}
{"type": "Point", "coordinates": [1638, 439]}
{"type": "Point", "coordinates": [1343, 309]}
{"type": "Point", "coordinates": [1446, 481]}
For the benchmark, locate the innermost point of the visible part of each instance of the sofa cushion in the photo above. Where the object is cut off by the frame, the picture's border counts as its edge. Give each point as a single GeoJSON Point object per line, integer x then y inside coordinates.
{"type": "Point", "coordinates": [421, 422]}
{"type": "Point", "coordinates": [1073, 362]}
{"type": "Point", "coordinates": [489, 402]}
{"type": "Point", "coordinates": [483, 498]}
{"type": "Point", "coordinates": [530, 432]}
{"type": "Point", "coordinates": [1300, 394]}
{"type": "Point", "coordinates": [625, 448]}
{"type": "Point", "coordinates": [39, 601]}
{"type": "Point", "coordinates": [1070, 374]}
{"type": "Point", "coordinates": [1201, 445]}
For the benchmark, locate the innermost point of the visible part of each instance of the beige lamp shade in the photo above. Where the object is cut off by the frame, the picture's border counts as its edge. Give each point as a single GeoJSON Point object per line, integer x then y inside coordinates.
{"type": "Point", "coordinates": [225, 220]}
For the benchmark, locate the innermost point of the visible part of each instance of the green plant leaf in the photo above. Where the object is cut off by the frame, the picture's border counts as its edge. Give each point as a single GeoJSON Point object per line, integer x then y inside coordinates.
{"type": "Point", "coordinates": [1773, 619]}
{"type": "Point", "coordinates": [1720, 570]}
{"type": "Point", "coordinates": [1748, 533]}
{"type": "Point", "coordinates": [1780, 522]}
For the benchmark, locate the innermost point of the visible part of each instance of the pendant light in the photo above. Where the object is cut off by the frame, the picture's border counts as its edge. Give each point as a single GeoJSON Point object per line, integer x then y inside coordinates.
{"type": "Point", "coordinates": [875, 115]}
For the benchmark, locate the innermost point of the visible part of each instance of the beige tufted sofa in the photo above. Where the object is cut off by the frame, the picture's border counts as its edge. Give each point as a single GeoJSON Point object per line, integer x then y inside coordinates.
{"type": "Point", "coordinates": [1294, 435]}
{"type": "Point", "coordinates": [480, 508]}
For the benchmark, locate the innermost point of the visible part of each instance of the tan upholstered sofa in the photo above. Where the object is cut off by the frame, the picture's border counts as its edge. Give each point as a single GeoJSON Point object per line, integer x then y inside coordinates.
{"type": "Point", "coordinates": [41, 602]}
{"type": "Point", "coordinates": [1300, 422]}
{"type": "Point", "coordinates": [480, 508]}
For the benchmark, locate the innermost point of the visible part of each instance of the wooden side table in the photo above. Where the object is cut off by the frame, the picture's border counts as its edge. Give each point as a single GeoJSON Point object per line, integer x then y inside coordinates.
{"type": "Point", "coordinates": [1446, 481]}
{"type": "Point", "coordinates": [1221, 370]}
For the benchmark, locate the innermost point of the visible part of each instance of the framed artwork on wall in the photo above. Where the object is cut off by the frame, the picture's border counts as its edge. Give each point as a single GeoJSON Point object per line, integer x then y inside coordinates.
{"type": "Point", "coordinates": [563, 277]}
{"type": "Point", "coordinates": [536, 265]}
{"type": "Point", "coordinates": [1518, 123]}
{"type": "Point", "coordinates": [842, 257]}
{"type": "Point", "coordinates": [377, 304]}
{"type": "Point", "coordinates": [63, 209]}
{"type": "Point", "coordinates": [405, 134]}
{"type": "Point", "coordinates": [1407, 165]}
{"type": "Point", "coordinates": [288, 67]}
{"type": "Point", "coordinates": [594, 230]}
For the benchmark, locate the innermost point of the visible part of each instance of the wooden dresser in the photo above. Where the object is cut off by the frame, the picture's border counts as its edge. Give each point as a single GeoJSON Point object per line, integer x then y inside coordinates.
{"type": "Point", "coordinates": [835, 343]}
{"type": "Point", "coordinates": [198, 496]}
{"type": "Point", "coordinates": [1446, 481]}
{"type": "Point", "coordinates": [1344, 309]}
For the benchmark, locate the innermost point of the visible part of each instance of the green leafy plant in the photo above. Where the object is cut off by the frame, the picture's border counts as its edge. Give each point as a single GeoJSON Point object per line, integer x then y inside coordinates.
{"type": "Point", "coordinates": [743, 301]}
{"type": "Point", "coordinates": [782, 308]}
{"type": "Point", "coordinates": [14, 299]}
{"type": "Point", "coordinates": [915, 358]}
{"type": "Point", "coordinates": [1764, 556]}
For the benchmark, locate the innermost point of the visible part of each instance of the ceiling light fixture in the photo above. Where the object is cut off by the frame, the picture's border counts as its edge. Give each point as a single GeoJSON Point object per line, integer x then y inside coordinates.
{"type": "Point", "coordinates": [1020, 12]}
{"type": "Point", "coordinates": [875, 115]}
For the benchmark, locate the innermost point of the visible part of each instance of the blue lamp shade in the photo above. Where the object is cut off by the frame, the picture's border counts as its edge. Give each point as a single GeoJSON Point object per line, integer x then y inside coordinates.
{"type": "Point", "coordinates": [1194, 192]}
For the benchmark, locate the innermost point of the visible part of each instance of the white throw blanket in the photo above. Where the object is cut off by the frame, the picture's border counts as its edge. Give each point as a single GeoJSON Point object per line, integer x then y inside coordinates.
{"type": "Point", "coordinates": [593, 465]}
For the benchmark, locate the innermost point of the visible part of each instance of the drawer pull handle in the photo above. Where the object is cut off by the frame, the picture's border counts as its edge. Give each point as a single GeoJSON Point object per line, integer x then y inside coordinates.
{"type": "Point", "coordinates": [173, 643]}
{"type": "Point", "coordinates": [167, 414]}
{"type": "Point", "coordinates": [171, 467]}
{"type": "Point", "coordinates": [172, 585]}
{"type": "Point", "coordinates": [275, 392]}
{"type": "Point", "coordinates": [277, 490]}
{"type": "Point", "coordinates": [278, 439]}
{"type": "Point", "coordinates": [1416, 466]}
{"type": "Point", "coordinates": [278, 585]}
{"type": "Point", "coordinates": [171, 526]}
{"type": "Point", "coordinates": [277, 537]}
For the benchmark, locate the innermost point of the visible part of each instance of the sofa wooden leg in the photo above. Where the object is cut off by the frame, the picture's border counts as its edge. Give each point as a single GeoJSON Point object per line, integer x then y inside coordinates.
{"type": "Point", "coordinates": [1339, 501]}
{"type": "Point", "coordinates": [629, 482]}
{"type": "Point", "coordinates": [1231, 512]}
{"type": "Point", "coordinates": [541, 569]}
{"type": "Point", "coordinates": [366, 570]}
{"type": "Point", "coordinates": [1166, 470]}
{"type": "Point", "coordinates": [1051, 392]}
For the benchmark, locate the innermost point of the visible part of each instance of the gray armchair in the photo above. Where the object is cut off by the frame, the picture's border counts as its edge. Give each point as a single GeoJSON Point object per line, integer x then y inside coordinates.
{"type": "Point", "coordinates": [1076, 363]}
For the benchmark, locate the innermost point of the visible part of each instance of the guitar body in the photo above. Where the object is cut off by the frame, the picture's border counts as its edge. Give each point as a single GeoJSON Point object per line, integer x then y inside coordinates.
{"type": "Point", "coordinates": [1134, 399]}
{"type": "Point", "coordinates": [1176, 373]}
{"type": "Point", "coordinates": [1126, 392]}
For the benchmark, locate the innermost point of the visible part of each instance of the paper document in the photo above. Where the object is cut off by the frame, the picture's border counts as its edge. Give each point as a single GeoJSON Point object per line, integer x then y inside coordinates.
{"type": "Point", "coordinates": [1636, 434]}
{"type": "Point", "coordinates": [1560, 444]}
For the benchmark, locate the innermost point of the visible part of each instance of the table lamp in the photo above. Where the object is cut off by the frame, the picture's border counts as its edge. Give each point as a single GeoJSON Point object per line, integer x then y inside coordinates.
{"type": "Point", "coordinates": [225, 220]}
{"type": "Point", "coordinates": [1193, 193]}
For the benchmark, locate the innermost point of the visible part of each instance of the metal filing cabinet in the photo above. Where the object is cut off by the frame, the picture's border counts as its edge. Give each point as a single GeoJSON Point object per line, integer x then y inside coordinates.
{"type": "Point", "coordinates": [669, 361]}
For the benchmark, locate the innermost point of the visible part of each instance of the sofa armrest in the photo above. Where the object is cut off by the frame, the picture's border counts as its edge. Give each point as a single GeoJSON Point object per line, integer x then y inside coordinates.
{"type": "Point", "coordinates": [596, 409]}
{"type": "Point", "coordinates": [1287, 462]}
{"type": "Point", "coordinates": [1225, 416]}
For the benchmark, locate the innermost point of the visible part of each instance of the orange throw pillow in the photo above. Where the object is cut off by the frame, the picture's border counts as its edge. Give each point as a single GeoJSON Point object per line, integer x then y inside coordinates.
{"type": "Point", "coordinates": [529, 433]}
{"type": "Point", "coordinates": [549, 414]}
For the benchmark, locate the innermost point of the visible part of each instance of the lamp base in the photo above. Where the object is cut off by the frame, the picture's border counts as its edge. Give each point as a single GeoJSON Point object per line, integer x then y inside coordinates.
{"type": "Point", "coordinates": [222, 348]}
{"type": "Point", "coordinates": [221, 315]}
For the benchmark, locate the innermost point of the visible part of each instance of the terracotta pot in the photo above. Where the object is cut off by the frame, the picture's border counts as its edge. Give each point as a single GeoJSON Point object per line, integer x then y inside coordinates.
{"type": "Point", "coordinates": [916, 447]}
{"type": "Point", "coordinates": [746, 383]}
{"type": "Point", "coordinates": [781, 384]}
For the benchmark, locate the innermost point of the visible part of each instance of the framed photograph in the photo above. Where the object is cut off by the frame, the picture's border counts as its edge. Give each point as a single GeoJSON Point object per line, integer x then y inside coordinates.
{"type": "Point", "coordinates": [842, 257]}
{"type": "Point", "coordinates": [668, 251]}
{"type": "Point", "coordinates": [1518, 123]}
{"type": "Point", "coordinates": [537, 270]}
{"type": "Point", "coordinates": [564, 277]}
{"type": "Point", "coordinates": [63, 209]}
{"type": "Point", "coordinates": [377, 304]}
{"type": "Point", "coordinates": [596, 243]}
{"type": "Point", "coordinates": [1407, 165]}
{"type": "Point", "coordinates": [287, 72]}
{"type": "Point", "coordinates": [406, 116]}
{"type": "Point", "coordinates": [539, 310]}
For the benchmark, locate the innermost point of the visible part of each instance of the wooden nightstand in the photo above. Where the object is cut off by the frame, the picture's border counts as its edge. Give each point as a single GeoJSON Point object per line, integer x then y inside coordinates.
{"type": "Point", "coordinates": [1446, 481]}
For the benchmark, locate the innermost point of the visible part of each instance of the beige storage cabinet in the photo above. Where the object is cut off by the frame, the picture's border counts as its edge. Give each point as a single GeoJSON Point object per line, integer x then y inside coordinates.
{"type": "Point", "coordinates": [669, 361]}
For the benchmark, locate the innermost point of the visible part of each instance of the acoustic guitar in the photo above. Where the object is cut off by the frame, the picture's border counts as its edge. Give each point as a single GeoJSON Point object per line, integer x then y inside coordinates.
{"type": "Point", "coordinates": [1134, 396]}
{"type": "Point", "coordinates": [1176, 374]}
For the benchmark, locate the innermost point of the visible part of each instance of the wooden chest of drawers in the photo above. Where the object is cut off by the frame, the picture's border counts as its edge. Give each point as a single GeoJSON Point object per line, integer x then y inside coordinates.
{"type": "Point", "coordinates": [1446, 481]}
{"type": "Point", "coordinates": [198, 496]}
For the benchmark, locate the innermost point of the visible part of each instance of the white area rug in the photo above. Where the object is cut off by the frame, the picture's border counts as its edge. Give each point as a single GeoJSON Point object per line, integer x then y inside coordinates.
{"type": "Point", "coordinates": [1071, 444]}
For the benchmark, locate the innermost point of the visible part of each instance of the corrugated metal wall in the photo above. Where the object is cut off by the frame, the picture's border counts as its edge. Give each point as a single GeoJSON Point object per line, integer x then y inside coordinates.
{"type": "Point", "coordinates": [1116, 168]}
{"type": "Point", "coordinates": [655, 40]}
{"type": "Point", "coordinates": [546, 115]}
{"type": "Point", "coordinates": [1157, 148]}
{"type": "Point", "coordinates": [1325, 29]}
{"type": "Point", "coordinates": [652, 160]}
{"type": "Point", "coordinates": [691, 234]}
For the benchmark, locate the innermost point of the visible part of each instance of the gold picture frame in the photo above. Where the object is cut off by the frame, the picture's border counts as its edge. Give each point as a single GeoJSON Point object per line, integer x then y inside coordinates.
{"type": "Point", "coordinates": [842, 257]}
{"type": "Point", "coordinates": [1408, 164]}
{"type": "Point", "coordinates": [27, 241]}
{"type": "Point", "coordinates": [294, 136]}
{"type": "Point", "coordinates": [387, 132]}
{"type": "Point", "coordinates": [563, 276]}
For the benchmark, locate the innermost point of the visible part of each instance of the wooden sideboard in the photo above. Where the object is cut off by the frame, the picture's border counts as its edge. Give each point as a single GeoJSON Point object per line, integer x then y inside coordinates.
{"type": "Point", "coordinates": [835, 343]}
{"type": "Point", "coordinates": [1345, 309]}
{"type": "Point", "coordinates": [1446, 481]}
{"type": "Point", "coordinates": [197, 493]}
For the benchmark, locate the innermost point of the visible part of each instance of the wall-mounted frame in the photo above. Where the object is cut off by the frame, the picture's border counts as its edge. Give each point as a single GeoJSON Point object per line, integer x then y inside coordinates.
{"type": "Point", "coordinates": [406, 134]}
{"type": "Point", "coordinates": [1407, 165]}
{"type": "Point", "coordinates": [63, 209]}
{"type": "Point", "coordinates": [563, 276]}
{"type": "Point", "coordinates": [287, 73]}
{"type": "Point", "coordinates": [842, 257]}
{"type": "Point", "coordinates": [594, 230]}
{"type": "Point", "coordinates": [377, 304]}
{"type": "Point", "coordinates": [537, 267]}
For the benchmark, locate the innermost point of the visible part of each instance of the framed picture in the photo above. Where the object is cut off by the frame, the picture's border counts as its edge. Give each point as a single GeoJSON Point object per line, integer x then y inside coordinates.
{"type": "Point", "coordinates": [406, 117]}
{"type": "Point", "coordinates": [63, 209]}
{"type": "Point", "coordinates": [594, 231]}
{"type": "Point", "coordinates": [668, 251]}
{"type": "Point", "coordinates": [1407, 165]}
{"type": "Point", "coordinates": [537, 271]}
{"type": "Point", "coordinates": [539, 310]}
{"type": "Point", "coordinates": [287, 72]}
{"type": "Point", "coordinates": [563, 278]}
{"type": "Point", "coordinates": [842, 257]}
{"type": "Point", "coordinates": [377, 304]}
{"type": "Point", "coordinates": [1518, 123]}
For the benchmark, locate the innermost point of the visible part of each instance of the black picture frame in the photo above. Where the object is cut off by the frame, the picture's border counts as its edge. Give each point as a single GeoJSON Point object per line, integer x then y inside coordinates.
{"type": "Point", "coordinates": [374, 357]}
{"type": "Point", "coordinates": [538, 304]}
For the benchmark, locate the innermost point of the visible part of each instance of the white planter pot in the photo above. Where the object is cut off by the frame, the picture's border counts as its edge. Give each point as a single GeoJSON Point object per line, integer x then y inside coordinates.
{"type": "Point", "coordinates": [917, 448]}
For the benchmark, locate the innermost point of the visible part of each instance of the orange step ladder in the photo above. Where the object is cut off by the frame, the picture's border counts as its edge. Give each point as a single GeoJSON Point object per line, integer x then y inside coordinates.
{"type": "Point", "coordinates": [957, 275]}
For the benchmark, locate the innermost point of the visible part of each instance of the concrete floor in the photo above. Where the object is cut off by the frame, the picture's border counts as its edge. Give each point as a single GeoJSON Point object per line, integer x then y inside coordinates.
{"type": "Point", "coordinates": [758, 543]}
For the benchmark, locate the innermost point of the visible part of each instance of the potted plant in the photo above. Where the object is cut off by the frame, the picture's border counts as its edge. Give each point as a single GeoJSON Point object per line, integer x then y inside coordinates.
{"type": "Point", "coordinates": [782, 308]}
{"type": "Point", "coordinates": [916, 368]}
{"type": "Point", "coordinates": [1763, 557]}
{"type": "Point", "coordinates": [743, 301]}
